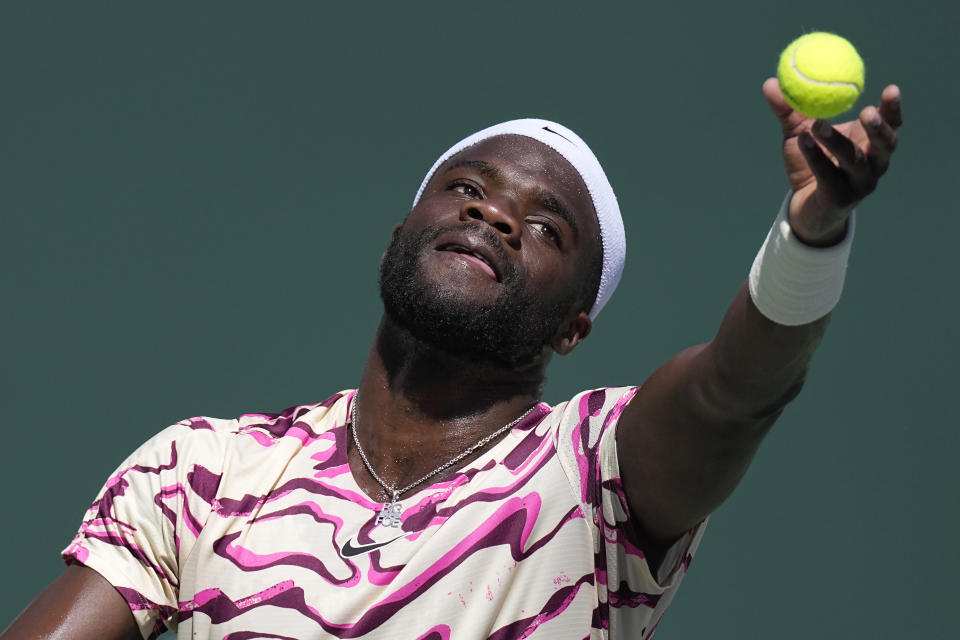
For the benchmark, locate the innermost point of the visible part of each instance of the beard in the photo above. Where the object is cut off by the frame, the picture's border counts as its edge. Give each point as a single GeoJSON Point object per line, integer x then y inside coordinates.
{"type": "Point", "coordinates": [509, 332]}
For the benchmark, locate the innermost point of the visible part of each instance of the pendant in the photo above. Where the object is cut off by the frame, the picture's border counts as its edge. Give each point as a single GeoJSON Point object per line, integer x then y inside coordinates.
{"type": "Point", "coordinates": [390, 513]}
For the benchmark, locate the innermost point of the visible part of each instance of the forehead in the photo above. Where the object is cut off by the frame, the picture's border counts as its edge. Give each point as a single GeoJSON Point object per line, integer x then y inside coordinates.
{"type": "Point", "coordinates": [526, 159]}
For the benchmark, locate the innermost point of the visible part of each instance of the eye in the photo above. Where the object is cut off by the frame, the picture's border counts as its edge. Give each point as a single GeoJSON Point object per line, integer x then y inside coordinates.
{"type": "Point", "coordinates": [545, 229]}
{"type": "Point", "coordinates": [466, 188]}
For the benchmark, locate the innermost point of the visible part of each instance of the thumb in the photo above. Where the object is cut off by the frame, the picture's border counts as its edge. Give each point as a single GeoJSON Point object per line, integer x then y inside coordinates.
{"type": "Point", "coordinates": [791, 122]}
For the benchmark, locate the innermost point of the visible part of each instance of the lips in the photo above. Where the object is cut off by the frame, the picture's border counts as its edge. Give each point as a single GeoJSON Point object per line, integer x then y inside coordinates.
{"type": "Point", "coordinates": [474, 251]}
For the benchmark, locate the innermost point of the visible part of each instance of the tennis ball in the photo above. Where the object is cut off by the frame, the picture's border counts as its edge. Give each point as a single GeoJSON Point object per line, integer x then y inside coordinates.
{"type": "Point", "coordinates": [820, 74]}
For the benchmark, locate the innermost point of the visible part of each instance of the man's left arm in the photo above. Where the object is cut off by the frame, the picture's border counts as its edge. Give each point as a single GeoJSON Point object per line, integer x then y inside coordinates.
{"type": "Point", "coordinates": [687, 438]}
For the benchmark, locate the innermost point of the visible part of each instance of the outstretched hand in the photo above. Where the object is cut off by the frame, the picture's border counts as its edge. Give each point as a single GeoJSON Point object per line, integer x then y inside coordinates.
{"type": "Point", "coordinates": [829, 179]}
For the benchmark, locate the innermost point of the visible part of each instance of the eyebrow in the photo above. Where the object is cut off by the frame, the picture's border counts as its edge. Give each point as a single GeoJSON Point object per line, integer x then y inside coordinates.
{"type": "Point", "coordinates": [486, 169]}
{"type": "Point", "coordinates": [551, 203]}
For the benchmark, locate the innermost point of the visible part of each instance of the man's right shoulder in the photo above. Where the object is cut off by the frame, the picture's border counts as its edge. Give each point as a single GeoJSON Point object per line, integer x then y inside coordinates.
{"type": "Point", "coordinates": [299, 421]}
{"type": "Point", "coordinates": [247, 453]}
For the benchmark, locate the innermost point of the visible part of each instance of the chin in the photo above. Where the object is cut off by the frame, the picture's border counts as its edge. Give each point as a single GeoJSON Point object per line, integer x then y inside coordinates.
{"type": "Point", "coordinates": [465, 313]}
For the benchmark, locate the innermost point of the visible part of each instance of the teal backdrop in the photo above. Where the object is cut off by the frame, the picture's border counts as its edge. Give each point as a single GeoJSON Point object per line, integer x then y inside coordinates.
{"type": "Point", "coordinates": [194, 198]}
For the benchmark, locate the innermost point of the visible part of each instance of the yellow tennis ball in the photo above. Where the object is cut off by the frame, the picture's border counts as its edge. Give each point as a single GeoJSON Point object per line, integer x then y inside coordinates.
{"type": "Point", "coordinates": [820, 74]}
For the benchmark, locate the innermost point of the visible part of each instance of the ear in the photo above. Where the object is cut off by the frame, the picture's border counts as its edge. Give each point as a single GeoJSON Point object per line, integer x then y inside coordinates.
{"type": "Point", "coordinates": [393, 236]}
{"type": "Point", "coordinates": [573, 334]}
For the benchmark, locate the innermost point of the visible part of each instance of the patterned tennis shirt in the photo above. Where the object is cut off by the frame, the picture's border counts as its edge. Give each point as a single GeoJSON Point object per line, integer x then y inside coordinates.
{"type": "Point", "coordinates": [255, 528]}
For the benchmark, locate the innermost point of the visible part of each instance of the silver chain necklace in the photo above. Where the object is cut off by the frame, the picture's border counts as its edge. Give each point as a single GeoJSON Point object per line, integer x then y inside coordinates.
{"type": "Point", "coordinates": [391, 510]}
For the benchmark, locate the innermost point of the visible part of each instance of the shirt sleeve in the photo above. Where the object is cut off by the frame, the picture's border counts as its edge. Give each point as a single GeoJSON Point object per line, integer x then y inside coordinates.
{"type": "Point", "coordinates": [147, 517]}
{"type": "Point", "coordinates": [631, 596]}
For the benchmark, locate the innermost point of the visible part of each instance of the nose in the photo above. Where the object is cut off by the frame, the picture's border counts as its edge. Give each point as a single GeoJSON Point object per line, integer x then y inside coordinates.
{"type": "Point", "coordinates": [494, 213]}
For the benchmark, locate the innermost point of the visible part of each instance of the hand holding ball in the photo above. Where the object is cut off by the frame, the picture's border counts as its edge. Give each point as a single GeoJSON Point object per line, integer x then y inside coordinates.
{"type": "Point", "coordinates": [820, 74]}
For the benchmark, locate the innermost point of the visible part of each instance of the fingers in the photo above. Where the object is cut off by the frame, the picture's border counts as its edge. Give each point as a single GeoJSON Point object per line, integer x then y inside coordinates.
{"type": "Point", "coordinates": [790, 121]}
{"type": "Point", "coordinates": [890, 106]}
{"type": "Point", "coordinates": [771, 91]}
{"type": "Point", "coordinates": [834, 180]}
{"type": "Point", "coordinates": [882, 137]}
{"type": "Point", "coordinates": [880, 125]}
{"type": "Point", "coordinates": [856, 167]}
{"type": "Point", "coordinates": [843, 148]}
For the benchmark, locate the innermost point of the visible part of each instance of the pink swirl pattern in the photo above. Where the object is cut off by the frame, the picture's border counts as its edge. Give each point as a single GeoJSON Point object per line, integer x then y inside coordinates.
{"type": "Point", "coordinates": [255, 528]}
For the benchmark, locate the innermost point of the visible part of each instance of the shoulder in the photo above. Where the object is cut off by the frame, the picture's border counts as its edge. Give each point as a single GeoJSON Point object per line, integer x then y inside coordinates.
{"type": "Point", "coordinates": [300, 422]}
{"type": "Point", "coordinates": [209, 442]}
{"type": "Point", "coordinates": [594, 410]}
{"type": "Point", "coordinates": [585, 430]}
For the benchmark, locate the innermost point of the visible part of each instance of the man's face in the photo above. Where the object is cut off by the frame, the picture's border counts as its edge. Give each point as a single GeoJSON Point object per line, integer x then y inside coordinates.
{"type": "Point", "coordinates": [491, 263]}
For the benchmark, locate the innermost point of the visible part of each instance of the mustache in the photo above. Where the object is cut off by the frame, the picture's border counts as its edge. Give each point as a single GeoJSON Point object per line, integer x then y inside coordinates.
{"type": "Point", "coordinates": [487, 236]}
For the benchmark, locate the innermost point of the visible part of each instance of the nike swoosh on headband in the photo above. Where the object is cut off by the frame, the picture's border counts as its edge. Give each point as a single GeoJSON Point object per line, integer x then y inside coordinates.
{"type": "Point", "coordinates": [349, 550]}
{"type": "Point", "coordinates": [558, 134]}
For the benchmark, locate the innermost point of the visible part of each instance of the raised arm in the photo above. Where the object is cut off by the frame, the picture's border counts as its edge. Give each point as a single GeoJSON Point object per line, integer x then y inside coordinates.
{"type": "Point", "coordinates": [688, 436]}
{"type": "Point", "coordinates": [79, 605]}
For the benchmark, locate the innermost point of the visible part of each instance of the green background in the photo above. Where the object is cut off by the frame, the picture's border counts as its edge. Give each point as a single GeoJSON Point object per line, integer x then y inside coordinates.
{"type": "Point", "coordinates": [194, 198]}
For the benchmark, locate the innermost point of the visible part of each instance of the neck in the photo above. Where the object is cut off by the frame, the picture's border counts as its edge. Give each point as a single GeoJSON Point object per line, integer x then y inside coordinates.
{"type": "Point", "coordinates": [419, 407]}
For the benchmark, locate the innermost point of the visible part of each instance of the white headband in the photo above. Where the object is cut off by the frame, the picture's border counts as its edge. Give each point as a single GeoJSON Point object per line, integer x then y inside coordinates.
{"type": "Point", "coordinates": [577, 153]}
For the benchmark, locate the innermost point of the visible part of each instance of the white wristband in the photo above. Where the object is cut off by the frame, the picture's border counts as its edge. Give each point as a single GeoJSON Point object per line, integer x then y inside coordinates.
{"type": "Point", "coordinates": [793, 283]}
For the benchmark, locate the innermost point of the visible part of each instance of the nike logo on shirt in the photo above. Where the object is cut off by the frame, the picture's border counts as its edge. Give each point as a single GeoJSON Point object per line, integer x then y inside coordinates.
{"type": "Point", "coordinates": [348, 550]}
